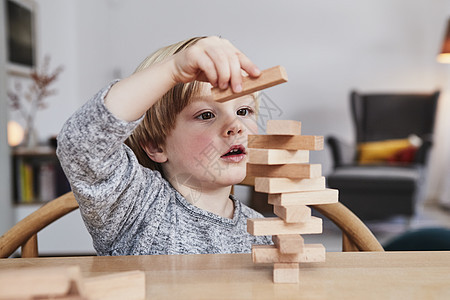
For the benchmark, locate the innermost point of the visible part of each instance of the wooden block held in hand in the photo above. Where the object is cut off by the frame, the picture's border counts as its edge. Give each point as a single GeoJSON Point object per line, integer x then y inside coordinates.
{"type": "Point", "coordinates": [286, 272]}
{"type": "Point", "coordinates": [286, 185]}
{"type": "Point", "coordinates": [270, 254]}
{"type": "Point", "coordinates": [277, 156]}
{"type": "Point", "coordinates": [268, 78]}
{"type": "Point", "coordinates": [284, 127]}
{"type": "Point", "coordinates": [285, 171]}
{"type": "Point", "coordinates": [293, 213]}
{"type": "Point", "coordinates": [123, 285]}
{"type": "Point", "coordinates": [325, 196]}
{"type": "Point", "coordinates": [289, 243]}
{"type": "Point", "coordinates": [276, 226]}
{"type": "Point", "coordinates": [286, 142]}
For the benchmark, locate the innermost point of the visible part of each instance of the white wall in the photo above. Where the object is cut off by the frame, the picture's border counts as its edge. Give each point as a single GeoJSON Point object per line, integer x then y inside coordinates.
{"type": "Point", "coordinates": [57, 37]}
{"type": "Point", "coordinates": [95, 63]}
{"type": "Point", "coordinates": [328, 48]}
{"type": "Point", "coordinates": [6, 216]}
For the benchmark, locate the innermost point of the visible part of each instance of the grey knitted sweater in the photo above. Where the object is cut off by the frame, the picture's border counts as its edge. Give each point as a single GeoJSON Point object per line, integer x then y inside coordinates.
{"type": "Point", "coordinates": [131, 210]}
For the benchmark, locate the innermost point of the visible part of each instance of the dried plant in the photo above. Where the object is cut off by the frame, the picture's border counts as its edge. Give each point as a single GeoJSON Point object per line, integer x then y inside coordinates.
{"type": "Point", "coordinates": [38, 90]}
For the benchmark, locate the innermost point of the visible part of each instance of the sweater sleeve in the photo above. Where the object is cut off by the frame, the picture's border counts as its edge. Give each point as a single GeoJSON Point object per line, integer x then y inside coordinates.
{"type": "Point", "coordinates": [111, 187]}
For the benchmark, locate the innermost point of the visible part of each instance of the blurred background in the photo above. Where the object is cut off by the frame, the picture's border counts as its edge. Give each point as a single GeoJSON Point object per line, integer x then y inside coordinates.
{"type": "Point", "coordinates": [328, 48]}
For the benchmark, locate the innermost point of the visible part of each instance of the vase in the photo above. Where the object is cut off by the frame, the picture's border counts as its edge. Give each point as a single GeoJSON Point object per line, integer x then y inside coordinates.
{"type": "Point", "coordinates": [30, 139]}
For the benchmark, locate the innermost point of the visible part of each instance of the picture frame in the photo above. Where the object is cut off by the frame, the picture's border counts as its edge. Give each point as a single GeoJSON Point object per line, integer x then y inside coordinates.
{"type": "Point", "coordinates": [21, 36]}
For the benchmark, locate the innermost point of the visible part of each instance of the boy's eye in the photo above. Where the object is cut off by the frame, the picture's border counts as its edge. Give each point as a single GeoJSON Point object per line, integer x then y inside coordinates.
{"type": "Point", "coordinates": [206, 115]}
{"type": "Point", "coordinates": [244, 111]}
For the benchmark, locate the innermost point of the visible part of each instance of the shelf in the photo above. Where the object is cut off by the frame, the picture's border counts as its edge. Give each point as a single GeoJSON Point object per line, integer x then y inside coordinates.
{"type": "Point", "coordinates": [35, 151]}
{"type": "Point", "coordinates": [37, 175]}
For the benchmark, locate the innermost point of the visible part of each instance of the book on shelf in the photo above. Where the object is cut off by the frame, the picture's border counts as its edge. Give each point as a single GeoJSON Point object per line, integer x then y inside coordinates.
{"type": "Point", "coordinates": [27, 183]}
{"type": "Point", "coordinates": [47, 182]}
{"type": "Point", "coordinates": [38, 179]}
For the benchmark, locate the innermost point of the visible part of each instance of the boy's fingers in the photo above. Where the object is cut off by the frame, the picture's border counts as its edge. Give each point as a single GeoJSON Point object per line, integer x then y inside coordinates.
{"type": "Point", "coordinates": [248, 66]}
{"type": "Point", "coordinates": [236, 76]}
{"type": "Point", "coordinates": [220, 63]}
{"type": "Point", "coordinates": [208, 71]}
{"type": "Point", "coordinates": [220, 60]}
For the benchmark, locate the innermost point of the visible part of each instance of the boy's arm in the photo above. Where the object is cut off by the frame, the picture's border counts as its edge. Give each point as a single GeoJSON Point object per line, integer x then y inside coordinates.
{"type": "Point", "coordinates": [101, 169]}
{"type": "Point", "coordinates": [104, 174]}
{"type": "Point", "coordinates": [212, 59]}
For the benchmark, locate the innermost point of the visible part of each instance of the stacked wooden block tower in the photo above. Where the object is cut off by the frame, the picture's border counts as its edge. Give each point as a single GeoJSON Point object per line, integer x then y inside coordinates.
{"type": "Point", "coordinates": [279, 161]}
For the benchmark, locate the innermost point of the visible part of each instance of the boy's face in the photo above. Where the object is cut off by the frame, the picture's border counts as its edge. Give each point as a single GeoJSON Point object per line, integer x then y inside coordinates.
{"type": "Point", "coordinates": [207, 149]}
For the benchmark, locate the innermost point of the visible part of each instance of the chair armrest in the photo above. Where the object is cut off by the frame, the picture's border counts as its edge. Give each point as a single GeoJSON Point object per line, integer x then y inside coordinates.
{"type": "Point", "coordinates": [421, 155]}
{"type": "Point", "coordinates": [342, 153]}
{"type": "Point", "coordinates": [355, 231]}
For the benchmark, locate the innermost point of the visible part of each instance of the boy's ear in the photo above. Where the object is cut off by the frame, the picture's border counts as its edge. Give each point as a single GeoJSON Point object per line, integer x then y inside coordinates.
{"type": "Point", "coordinates": [155, 153]}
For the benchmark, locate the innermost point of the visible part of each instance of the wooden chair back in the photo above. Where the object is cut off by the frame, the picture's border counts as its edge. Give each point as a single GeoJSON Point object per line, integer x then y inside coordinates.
{"type": "Point", "coordinates": [356, 235]}
{"type": "Point", "coordinates": [24, 233]}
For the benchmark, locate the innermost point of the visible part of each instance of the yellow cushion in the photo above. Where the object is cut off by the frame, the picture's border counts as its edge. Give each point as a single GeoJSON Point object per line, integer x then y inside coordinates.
{"type": "Point", "coordinates": [380, 151]}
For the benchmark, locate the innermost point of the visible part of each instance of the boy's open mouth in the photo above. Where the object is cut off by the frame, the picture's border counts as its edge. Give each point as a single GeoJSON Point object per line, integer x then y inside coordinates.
{"type": "Point", "coordinates": [235, 150]}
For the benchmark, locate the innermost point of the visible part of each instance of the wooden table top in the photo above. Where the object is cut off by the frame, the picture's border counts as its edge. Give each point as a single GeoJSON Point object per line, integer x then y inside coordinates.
{"type": "Point", "coordinates": [350, 275]}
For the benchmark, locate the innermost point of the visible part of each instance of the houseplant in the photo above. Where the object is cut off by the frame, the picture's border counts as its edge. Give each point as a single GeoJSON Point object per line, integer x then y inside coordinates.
{"type": "Point", "coordinates": [28, 101]}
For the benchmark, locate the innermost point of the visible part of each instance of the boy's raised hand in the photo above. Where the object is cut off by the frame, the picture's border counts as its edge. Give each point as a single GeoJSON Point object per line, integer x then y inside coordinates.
{"type": "Point", "coordinates": [211, 59]}
{"type": "Point", "coordinates": [214, 60]}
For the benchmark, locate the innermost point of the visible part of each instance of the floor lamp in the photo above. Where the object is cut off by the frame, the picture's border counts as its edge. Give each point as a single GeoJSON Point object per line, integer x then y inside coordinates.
{"type": "Point", "coordinates": [444, 57]}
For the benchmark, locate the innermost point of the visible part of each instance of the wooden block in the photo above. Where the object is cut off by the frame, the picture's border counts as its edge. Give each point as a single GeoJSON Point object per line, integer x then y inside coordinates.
{"type": "Point", "coordinates": [293, 213]}
{"type": "Point", "coordinates": [289, 243]}
{"type": "Point", "coordinates": [124, 285]}
{"type": "Point", "coordinates": [277, 156]}
{"type": "Point", "coordinates": [67, 283]}
{"type": "Point", "coordinates": [284, 127]}
{"type": "Point", "coordinates": [286, 142]}
{"type": "Point", "coordinates": [268, 78]}
{"type": "Point", "coordinates": [287, 170]}
{"type": "Point", "coordinates": [276, 226]}
{"type": "Point", "coordinates": [326, 196]}
{"type": "Point", "coordinates": [69, 297]}
{"type": "Point", "coordinates": [270, 254]}
{"type": "Point", "coordinates": [286, 273]}
{"type": "Point", "coordinates": [248, 180]}
{"type": "Point", "coordinates": [286, 185]}
{"type": "Point", "coordinates": [46, 282]}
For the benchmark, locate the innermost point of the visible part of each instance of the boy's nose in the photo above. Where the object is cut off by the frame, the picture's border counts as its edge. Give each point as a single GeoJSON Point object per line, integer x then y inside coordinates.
{"type": "Point", "coordinates": [233, 132]}
{"type": "Point", "coordinates": [233, 129]}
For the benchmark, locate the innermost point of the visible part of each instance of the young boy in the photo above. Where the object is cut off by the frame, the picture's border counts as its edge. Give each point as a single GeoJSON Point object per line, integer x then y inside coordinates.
{"type": "Point", "coordinates": [169, 191]}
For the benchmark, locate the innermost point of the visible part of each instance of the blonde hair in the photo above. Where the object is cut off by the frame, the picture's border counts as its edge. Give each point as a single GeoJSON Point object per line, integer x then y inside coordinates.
{"type": "Point", "coordinates": [160, 118]}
